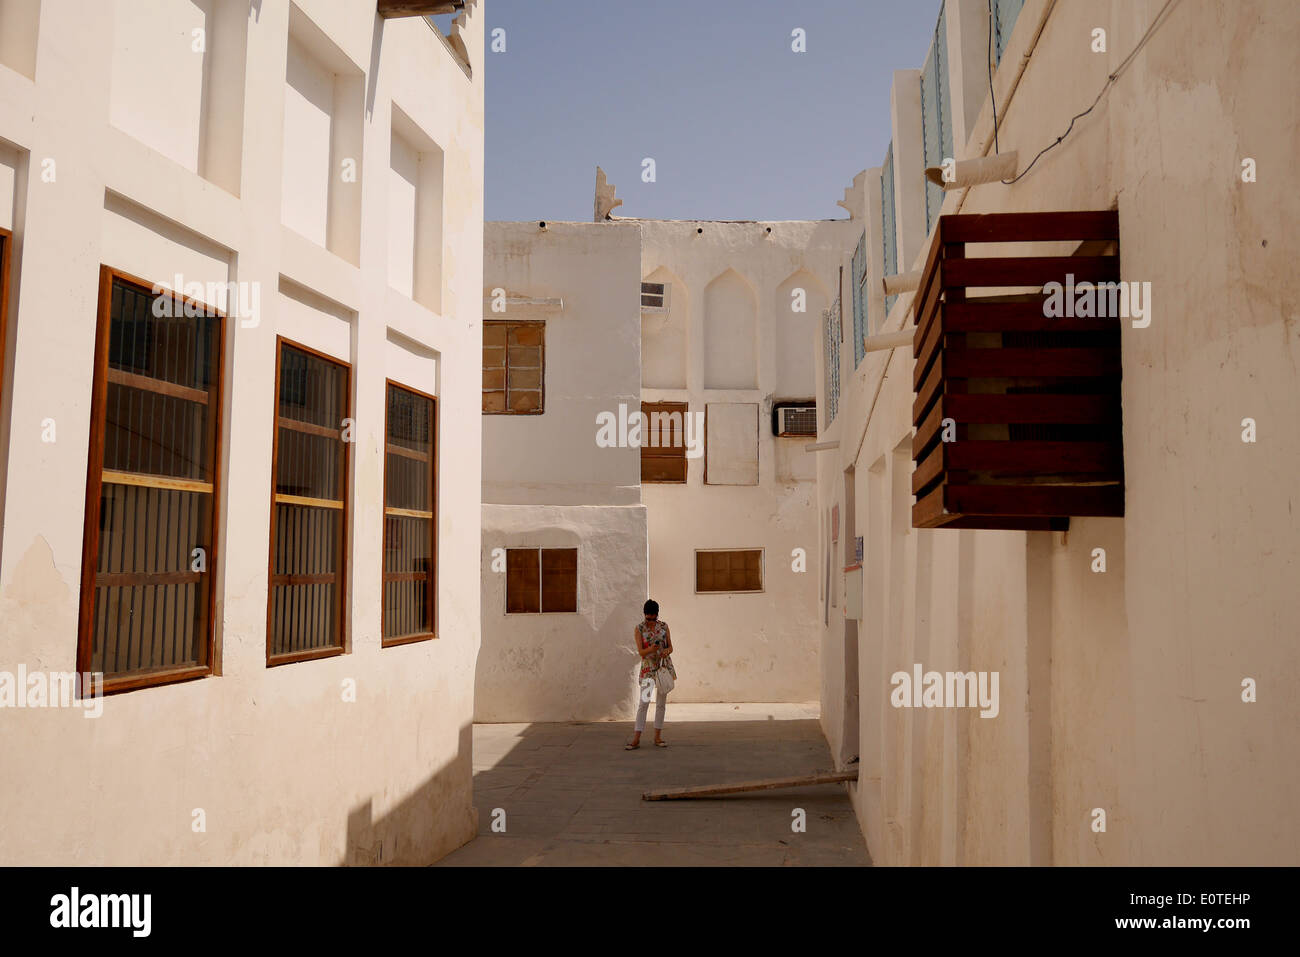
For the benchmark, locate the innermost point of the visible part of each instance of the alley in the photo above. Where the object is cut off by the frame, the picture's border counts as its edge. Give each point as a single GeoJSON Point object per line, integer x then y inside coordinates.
{"type": "Point", "coordinates": [572, 795]}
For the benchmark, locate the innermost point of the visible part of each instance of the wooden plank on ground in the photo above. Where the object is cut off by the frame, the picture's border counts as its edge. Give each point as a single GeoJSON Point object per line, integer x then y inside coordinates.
{"type": "Point", "coordinates": [714, 790]}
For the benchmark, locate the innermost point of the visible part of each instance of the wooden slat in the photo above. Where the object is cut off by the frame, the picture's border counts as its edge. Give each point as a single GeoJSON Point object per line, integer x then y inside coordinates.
{"type": "Point", "coordinates": [929, 313]}
{"type": "Point", "coordinates": [929, 275]}
{"type": "Point", "coordinates": [927, 352]}
{"type": "Point", "coordinates": [1027, 270]}
{"type": "Point", "coordinates": [1058, 500]}
{"type": "Point", "coordinates": [282, 499]}
{"type": "Point", "coordinates": [976, 315]}
{"type": "Point", "coordinates": [1042, 458]}
{"type": "Point", "coordinates": [716, 790]}
{"type": "Point", "coordinates": [156, 481]}
{"type": "Point", "coordinates": [963, 363]}
{"type": "Point", "coordinates": [1030, 227]}
{"type": "Point", "coordinates": [1037, 409]}
{"type": "Point", "coordinates": [406, 576]}
{"type": "Point", "coordinates": [928, 509]}
{"type": "Point", "coordinates": [409, 453]}
{"type": "Point", "coordinates": [927, 431]}
{"type": "Point", "coordinates": [390, 9]}
{"type": "Point", "coordinates": [310, 428]}
{"type": "Point", "coordinates": [928, 471]}
{"type": "Point", "coordinates": [931, 388]}
{"type": "Point", "coordinates": [129, 579]}
{"type": "Point", "coordinates": [407, 512]}
{"type": "Point", "coordinates": [323, 578]}
{"type": "Point", "coordinates": [162, 387]}
{"type": "Point", "coordinates": [1021, 523]}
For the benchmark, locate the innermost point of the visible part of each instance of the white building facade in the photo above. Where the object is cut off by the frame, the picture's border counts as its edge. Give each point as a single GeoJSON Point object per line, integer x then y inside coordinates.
{"type": "Point", "coordinates": [1145, 661]}
{"type": "Point", "coordinates": [241, 435]}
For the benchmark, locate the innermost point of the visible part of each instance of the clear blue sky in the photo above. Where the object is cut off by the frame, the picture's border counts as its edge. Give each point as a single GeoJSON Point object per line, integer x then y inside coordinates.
{"type": "Point", "coordinates": [739, 126]}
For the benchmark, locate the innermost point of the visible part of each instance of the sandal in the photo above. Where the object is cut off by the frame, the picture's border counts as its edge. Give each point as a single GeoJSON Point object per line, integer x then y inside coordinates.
{"type": "Point", "coordinates": [661, 744]}
{"type": "Point", "coordinates": [631, 747]}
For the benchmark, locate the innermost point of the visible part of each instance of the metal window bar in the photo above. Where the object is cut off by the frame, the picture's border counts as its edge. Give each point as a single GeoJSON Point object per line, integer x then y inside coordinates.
{"type": "Point", "coordinates": [831, 324]}
{"type": "Point", "coordinates": [936, 122]}
{"type": "Point", "coordinates": [888, 227]}
{"type": "Point", "coordinates": [859, 300]}
{"type": "Point", "coordinates": [1005, 13]}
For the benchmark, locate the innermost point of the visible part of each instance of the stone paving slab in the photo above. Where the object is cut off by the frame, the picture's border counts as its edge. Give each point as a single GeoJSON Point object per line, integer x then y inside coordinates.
{"type": "Point", "coordinates": [572, 795]}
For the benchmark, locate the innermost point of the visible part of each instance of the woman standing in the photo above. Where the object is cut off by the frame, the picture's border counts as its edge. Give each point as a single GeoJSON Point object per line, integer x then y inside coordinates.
{"type": "Point", "coordinates": [655, 644]}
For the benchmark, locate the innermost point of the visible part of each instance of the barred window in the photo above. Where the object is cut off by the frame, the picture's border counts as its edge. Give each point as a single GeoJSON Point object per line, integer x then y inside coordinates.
{"type": "Point", "coordinates": [1005, 13]}
{"type": "Point", "coordinates": [513, 367]}
{"type": "Point", "coordinates": [831, 334]}
{"type": "Point", "coordinates": [888, 228]}
{"type": "Point", "coordinates": [859, 279]}
{"type": "Point", "coordinates": [151, 490]}
{"type": "Point", "coordinates": [936, 122]}
{"type": "Point", "coordinates": [410, 517]}
{"type": "Point", "coordinates": [309, 513]}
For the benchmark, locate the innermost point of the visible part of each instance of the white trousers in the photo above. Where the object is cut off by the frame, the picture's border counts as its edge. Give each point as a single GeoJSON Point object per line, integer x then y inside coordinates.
{"type": "Point", "coordinates": [643, 708]}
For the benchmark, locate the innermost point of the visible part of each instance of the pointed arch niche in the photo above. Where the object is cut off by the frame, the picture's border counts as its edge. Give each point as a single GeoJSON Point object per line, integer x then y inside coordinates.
{"type": "Point", "coordinates": [730, 333]}
{"type": "Point", "coordinates": [796, 337]}
{"type": "Point", "coordinates": [664, 335]}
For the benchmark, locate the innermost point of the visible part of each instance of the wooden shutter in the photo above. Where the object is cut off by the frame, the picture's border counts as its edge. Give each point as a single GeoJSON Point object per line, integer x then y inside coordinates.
{"type": "Point", "coordinates": [727, 571]}
{"type": "Point", "coordinates": [559, 579]}
{"type": "Point", "coordinates": [523, 584]}
{"type": "Point", "coordinates": [514, 367]}
{"type": "Point", "coordinates": [663, 442]}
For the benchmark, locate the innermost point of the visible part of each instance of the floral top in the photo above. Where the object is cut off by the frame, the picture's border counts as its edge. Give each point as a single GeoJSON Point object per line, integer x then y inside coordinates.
{"type": "Point", "coordinates": [655, 633]}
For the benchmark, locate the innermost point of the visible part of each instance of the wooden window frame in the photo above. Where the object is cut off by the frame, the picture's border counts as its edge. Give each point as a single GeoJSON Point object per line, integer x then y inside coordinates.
{"type": "Point", "coordinates": [541, 409]}
{"type": "Point", "coordinates": [432, 516]}
{"type": "Point", "coordinates": [6, 244]}
{"type": "Point", "coordinates": [95, 483]}
{"type": "Point", "coordinates": [762, 573]}
{"type": "Point", "coordinates": [541, 586]}
{"type": "Point", "coordinates": [664, 305]}
{"type": "Point", "coordinates": [273, 660]}
{"type": "Point", "coordinates": [670, 406]}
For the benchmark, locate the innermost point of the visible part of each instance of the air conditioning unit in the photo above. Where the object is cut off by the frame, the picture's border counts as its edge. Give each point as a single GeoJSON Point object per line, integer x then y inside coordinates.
{"type": "Point", "coordinates": [795, 418]}
{"type": "Point", "coordinates": [654, 297]}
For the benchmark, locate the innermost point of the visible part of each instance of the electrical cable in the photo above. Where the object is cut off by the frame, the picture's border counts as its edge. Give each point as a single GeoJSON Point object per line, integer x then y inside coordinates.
{"type": "Point", "coordinates": [1105, 86]}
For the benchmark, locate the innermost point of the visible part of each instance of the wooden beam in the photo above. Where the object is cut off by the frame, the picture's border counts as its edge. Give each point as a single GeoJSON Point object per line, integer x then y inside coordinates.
{"type": "Point", "coordinates": [389, 9]}
{"type": "Point", "coordinates": [714, 790]}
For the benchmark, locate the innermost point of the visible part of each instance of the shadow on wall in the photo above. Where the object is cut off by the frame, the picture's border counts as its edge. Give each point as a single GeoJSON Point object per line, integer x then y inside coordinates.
{"type": "Point", "coordinates": [428, 824]}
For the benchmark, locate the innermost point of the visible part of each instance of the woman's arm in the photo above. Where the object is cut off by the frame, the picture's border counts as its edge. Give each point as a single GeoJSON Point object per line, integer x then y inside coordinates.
{"type": "Point", "coordinates": [641, 647]}
{"type": "Point", "coordinates": [668, 637]}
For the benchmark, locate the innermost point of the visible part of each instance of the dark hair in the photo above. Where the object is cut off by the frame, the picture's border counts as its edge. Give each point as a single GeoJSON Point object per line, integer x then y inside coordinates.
{"type": "Point", "coordinates": [651, 607]}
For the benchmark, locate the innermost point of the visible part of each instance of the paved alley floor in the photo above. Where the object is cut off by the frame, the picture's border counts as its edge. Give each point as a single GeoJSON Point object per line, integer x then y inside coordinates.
{"type": "Point", "coordinates": [572, 795]}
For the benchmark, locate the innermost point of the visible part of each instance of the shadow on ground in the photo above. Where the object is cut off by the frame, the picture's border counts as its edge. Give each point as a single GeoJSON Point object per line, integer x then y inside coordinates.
{"type": "Point", "coordinates": [569, 794]}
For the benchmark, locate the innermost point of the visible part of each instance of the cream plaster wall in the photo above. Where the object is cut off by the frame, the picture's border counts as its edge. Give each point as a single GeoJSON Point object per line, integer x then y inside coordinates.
{"type": "Point", "coordinates": [1122, 690]}
{"type": "Point", "coordinates": [285, 769]}
{"type": "Point", "coordinates": [760, 646]}
{"type": "Point", "coordinates": [551, 485]}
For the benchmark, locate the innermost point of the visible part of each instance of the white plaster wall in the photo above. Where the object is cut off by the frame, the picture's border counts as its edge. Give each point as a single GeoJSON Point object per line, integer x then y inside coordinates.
{"type": "Point", "coordinates": [153, 39]}
{"type": "Point", "coordinates": [744, 647]}
{"type": "Point", "coordinates": [579, 666]}
{"type": "Point", "coordinates": [592, 362]}
{"type": "Point", "coordinates": [1119, 690]}
{"type": "Point", "coordinates": [286, 771]}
